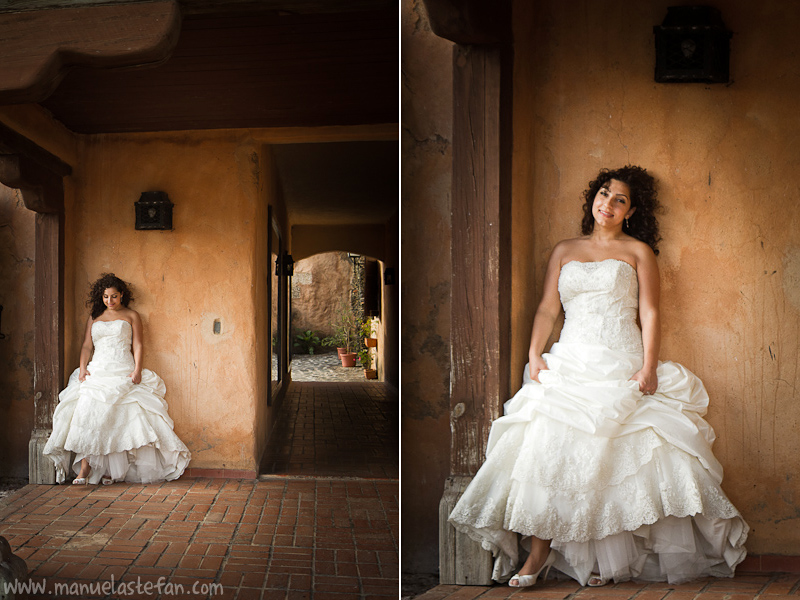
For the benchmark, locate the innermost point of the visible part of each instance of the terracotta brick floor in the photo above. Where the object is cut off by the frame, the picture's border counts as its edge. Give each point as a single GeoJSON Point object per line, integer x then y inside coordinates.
{"type": "Point", "coordinates": [336, 429]}
{"type": "Point", "coordinates": [745, 586]}
{"type": "Point", "coordinates": [306, 536]}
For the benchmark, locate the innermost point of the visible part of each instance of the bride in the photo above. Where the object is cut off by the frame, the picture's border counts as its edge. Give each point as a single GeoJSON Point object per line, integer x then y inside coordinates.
{"type": "Point", "coordinates": [602, 465]}
{"type": "Point", "coordinates": [112, 414]}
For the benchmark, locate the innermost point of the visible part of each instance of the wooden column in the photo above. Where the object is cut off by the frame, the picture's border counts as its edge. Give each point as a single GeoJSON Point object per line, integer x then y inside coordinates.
{"type": "Point", "coordinates": [480, 302]}
{"type": "Point", "coordinates": [39, 176]}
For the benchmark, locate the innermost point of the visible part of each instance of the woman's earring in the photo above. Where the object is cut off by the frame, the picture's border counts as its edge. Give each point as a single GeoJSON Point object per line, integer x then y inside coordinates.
{"type": "Point", "coordinates": [627, 223]}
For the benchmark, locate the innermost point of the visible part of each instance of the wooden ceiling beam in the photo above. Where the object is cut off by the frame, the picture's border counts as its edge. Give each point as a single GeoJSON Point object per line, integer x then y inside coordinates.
{"type": "Point", "coordinates": [39, 47]}
{"type": "Point", "coordinates": [469, 22]}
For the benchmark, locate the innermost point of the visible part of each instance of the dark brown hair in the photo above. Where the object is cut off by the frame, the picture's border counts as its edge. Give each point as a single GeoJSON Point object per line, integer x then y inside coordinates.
{"type": "Point", "coordinates": [643, 224]}
{"type": "Point", "coordinates": [107, 280]}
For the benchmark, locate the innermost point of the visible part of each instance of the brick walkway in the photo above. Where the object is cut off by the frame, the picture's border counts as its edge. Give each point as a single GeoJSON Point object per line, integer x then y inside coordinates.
{"type": "Point", "coordinates": [335, 429]}
{"type": "Point", "coordinates": [744, 586]}
{"type": "Point", "coordinates": [280, 537]}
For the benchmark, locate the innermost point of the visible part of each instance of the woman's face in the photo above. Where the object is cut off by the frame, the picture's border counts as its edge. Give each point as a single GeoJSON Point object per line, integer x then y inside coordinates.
{"type": "Point", "coordinates": [612, 204]}
{"type": "Point", "coordinates": [112, 299]}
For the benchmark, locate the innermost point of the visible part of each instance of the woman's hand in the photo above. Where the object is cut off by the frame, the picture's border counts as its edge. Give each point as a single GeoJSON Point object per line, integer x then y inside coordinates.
{"type": "Point", "coordinates": [647, 380]}
{"type": "Point", "coordinates": [136, 376]}
{"type": "Point", "coordinates": [82, 374]}
{"type": "Point", "coordinates": [536, 364]}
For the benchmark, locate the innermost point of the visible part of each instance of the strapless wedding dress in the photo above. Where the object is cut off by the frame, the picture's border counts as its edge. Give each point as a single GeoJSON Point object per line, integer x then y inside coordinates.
{"type": "Point", "coordinates": [625, 485]}
{"type": "Point", "coordinates": [122, 428]}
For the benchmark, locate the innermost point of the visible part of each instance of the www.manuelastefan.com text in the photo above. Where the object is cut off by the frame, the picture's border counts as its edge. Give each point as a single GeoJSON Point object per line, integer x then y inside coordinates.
{"type": "Point", "coordinates": [134, 588]}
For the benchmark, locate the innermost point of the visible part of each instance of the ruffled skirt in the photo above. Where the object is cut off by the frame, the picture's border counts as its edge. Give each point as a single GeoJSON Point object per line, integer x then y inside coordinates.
{"type": "Point", "coordinates": [624, 485]}
{"type": "Point", "coordinates": [123, 429]}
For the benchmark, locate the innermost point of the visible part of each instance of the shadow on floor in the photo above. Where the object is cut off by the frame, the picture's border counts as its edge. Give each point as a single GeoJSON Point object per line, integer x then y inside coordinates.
{"type": "Point", "coordinates": [335, 429]}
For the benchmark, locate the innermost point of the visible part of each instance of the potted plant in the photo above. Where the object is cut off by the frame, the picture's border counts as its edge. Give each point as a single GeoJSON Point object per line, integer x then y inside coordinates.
{"type": "Point", "coordinates": [365, 356]}
{"type": "Point", "coordinates": [365, 329]}
{"type": "Point", "coordinates": [344, 335]}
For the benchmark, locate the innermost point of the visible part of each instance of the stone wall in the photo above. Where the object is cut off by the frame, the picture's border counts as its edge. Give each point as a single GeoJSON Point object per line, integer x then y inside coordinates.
{"type": "Point", "coordinates": [320, 283]}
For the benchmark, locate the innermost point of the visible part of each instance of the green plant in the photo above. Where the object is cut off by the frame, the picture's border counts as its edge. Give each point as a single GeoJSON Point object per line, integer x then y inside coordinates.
{"type": "Point", "coordinates": [306, 341]}
{"type": "Point", "coordinates": [365, 357]}
{"type": "Point", "coordinates": [345, 328]}
{"type": "Point", "coordinates": [365, 328]}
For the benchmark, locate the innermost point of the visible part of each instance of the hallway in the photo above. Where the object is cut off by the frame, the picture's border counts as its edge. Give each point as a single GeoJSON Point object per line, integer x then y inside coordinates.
{"type": "Point", "coordinates": [327, 429]}
{"type": "Point", "coordinates": [299, 534]}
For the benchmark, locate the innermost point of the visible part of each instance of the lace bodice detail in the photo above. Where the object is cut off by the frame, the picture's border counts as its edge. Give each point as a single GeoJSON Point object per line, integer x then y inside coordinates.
{"type": "Point", "coordinates": [601, 302]}
{"type": "Point", "coordinates": [112, 342]}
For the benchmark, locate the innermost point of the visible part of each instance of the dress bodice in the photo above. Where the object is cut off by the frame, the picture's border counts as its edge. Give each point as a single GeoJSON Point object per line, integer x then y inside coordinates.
{"type": "Point", "coordinates": [601, 301]}
{"type": "Point", "coordinates": [112, 342]}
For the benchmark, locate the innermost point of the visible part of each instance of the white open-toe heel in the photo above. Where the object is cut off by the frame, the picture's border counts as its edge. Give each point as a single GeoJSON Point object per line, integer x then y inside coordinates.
{"type": "Point", "coordinates": [596, 580]}
{"type": "Point", "coordinates": [529, 580]}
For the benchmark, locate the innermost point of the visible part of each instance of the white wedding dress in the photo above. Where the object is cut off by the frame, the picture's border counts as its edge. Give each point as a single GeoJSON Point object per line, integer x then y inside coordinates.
{"type": "Point", "coordinates": [625, 485]}
{"type": "Point", "coordinates": [122, 428]}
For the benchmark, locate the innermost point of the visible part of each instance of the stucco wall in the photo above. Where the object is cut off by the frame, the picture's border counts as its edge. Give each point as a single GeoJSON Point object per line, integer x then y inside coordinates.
{"type": "Point", "coordinates": [727, 160]}
{"type": "Point", "coordinates": [183, 279]}
{"type": "Point", "coordinates": [425, 293]}
{"type": "Point", "coordinates": [17, 255]}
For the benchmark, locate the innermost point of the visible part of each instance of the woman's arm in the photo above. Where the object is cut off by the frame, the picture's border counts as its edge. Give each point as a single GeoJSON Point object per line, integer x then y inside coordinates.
{"type": "Point", "coordinates": [86, 351]}
{"type": "Point", "coordinates": [546, 314]}
{"type": "Point", "coordinates": [650, 318]}
{"type": "Point", "coordinates": [136, 346]}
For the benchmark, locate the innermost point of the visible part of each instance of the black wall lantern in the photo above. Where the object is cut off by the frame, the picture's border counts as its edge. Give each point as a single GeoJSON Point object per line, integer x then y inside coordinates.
{"type": "Point", "coordinates": [153, 211]}
{"type": "Point", "coordinates": [692, 46]}
{"type": "Point", "coordinates": [284, 265]}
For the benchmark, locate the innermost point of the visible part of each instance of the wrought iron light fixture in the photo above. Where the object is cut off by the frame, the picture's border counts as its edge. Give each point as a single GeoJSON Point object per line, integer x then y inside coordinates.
{"type": "Point", "coordinates": [153, 211]}
{"type": "Point", "coordinates": [284, 264]}
{"type": "Point", "coordinates": [692, 46]}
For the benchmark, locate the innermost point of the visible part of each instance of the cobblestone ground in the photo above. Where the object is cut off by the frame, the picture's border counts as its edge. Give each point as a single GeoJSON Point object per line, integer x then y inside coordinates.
{"type": "Point", "coordinates": [323, 367]}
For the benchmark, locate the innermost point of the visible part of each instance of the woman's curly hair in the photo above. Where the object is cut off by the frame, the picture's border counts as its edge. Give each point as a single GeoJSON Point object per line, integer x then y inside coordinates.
{"type": "Point", "coordinates": [643, 224]}
{"type": "Point", "coordinates": [107, 280]}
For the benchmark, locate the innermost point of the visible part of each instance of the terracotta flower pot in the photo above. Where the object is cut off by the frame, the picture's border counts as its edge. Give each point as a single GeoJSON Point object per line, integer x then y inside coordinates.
{"type": "Point", "coordinates": [371, 373]}
{"type": "Point", "coordinates": [341, 351]}
{"type": "Point", "coordinates": [371, 342]}
{"type": "Point", "coordinates": [349, 359]}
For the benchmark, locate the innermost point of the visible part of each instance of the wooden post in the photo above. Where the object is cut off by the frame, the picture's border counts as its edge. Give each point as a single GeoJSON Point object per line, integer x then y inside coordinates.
{"type": "Point", "coordinates": [480, 292]}
{"type": "Point", "coordinates": [39, 176]}
{"type": "Point", "coordinates": [49, 340]}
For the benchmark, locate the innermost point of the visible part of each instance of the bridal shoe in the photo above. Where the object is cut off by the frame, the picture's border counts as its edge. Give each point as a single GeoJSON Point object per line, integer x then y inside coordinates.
{"type": "Point", "coordinates": [596, 580]}
{"type": "Point", "coordinates": [529, 580]}
{"type": "Point", "coordinates": [79, 481]}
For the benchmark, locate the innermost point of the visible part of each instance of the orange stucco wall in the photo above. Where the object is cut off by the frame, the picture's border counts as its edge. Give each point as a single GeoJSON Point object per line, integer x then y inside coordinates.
{"type": "Point", "coordinates": [727, 159]}
{"type": "Point", "coordinates": [425, 293]}
{"type": "Point", "coordinates": [184, 279]}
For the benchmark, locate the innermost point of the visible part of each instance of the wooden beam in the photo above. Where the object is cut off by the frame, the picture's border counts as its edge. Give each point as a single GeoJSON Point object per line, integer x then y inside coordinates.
{"type": "Point", "coordinates": [12, 142]}
{"type": "Point", "coordinates": [194, 7]}
{"type": "Point", "coordinates": [469, 21]}
{"type": "Point", "coordinates": [42, 191]}
{"type": "Point", "coordinates": [39, 47]}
